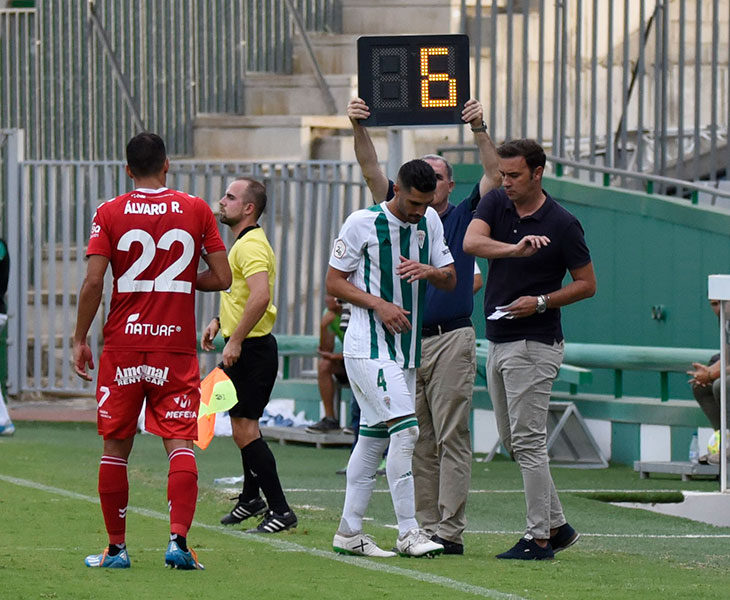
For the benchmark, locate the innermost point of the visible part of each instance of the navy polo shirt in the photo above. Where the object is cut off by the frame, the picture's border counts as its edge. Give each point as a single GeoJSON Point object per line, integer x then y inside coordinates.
{"type": "Point", "coordinates": [443, 306]}
{"type": "Point", "coordinates": [541, 273]}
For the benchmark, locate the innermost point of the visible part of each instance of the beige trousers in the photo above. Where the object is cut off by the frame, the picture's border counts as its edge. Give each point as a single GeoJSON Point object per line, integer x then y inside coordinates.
{"type": "Point", "coordinates": [520, 378]}
{"type": "Point", "coordinates": [442, 457]}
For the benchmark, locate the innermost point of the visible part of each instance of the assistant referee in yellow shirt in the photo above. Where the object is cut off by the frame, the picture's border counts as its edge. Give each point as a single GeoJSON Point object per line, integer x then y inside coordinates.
{"type": "Point", "coordinates": [250, 356]}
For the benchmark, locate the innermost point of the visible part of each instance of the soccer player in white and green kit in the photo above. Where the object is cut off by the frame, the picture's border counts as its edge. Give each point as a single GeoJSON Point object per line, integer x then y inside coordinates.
{"type": "Point", "coordinates": [380, 263]}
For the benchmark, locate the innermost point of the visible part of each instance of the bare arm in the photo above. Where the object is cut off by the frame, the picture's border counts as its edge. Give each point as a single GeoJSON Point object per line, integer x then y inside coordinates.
{"type": "Point", "coordinates": [473, 114]}
{"type": "Point", "coordinates": [365, 153]}
{"type": "Point", "coordinates": [209, 333]}
{"type": "Point", "coordinates": [258, 300]}
{"type": "Point", "coordinates": [582, 286]}
{"type": "Point", "coordinates": [478, 241]}
{"type": "Point", "coordinates": [327, 338]}
{"type": "Point", "coordinates": [704, 375]}
{"type": "Point", "coordinates": [393, 316]}
{"type": "Point", "coordinates": [478, 281]}
{"type": "Point", "coordinates": [443, 278]}
{"type": "Point", "coordinates": [88, 304]}
{"type": "Point", "coordinates": [218, 274]}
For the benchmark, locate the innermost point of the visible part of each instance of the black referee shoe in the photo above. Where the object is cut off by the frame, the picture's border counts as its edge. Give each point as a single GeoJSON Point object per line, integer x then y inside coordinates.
{"type": "Point", "coordinates": [274, 523]}
{"type": "Point", "coordinates": [243, 510]}
{"type": "Point", "coordinates": [449, 547]}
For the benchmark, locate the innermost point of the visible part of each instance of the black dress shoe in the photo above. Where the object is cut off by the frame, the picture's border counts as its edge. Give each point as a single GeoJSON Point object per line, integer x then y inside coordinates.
{"type": "Point", "coordinates": [449, 547]}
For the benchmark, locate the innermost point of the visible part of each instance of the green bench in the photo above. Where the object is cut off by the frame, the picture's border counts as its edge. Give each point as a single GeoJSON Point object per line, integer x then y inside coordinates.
{"type": "Point", "coordinates": [579, 358]}
{"type": "Point", "coordinates": [570, 374]}
{"type": "Point", "coordinates": [289, 346]}
{"type": "Point", "coordinates": [307, 345]}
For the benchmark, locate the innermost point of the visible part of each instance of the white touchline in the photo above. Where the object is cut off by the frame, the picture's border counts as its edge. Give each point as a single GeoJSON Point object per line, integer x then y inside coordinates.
{"type": "Point", "coordinates": [515, 491]}
{"type": "Point", "coordinates": [364, 563]}
{"type": "Point", "coordinates": [648, 536]}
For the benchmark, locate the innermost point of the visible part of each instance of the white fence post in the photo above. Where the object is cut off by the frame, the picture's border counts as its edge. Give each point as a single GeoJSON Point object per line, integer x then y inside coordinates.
{"type": "Point", "coordinates": [15, 144]}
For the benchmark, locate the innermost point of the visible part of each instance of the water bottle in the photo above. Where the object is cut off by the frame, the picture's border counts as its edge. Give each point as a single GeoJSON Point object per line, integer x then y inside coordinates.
{"type": "Point", "coordinates": [694, 450]}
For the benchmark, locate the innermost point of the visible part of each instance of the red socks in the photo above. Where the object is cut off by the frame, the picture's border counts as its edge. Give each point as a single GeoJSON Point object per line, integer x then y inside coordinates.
{"type": "Point", "coordinates": [182, 493]}
{"type": "Point", "coordinates": [114, 496]}
{"type": "Point", "coordinates": [182, 489]}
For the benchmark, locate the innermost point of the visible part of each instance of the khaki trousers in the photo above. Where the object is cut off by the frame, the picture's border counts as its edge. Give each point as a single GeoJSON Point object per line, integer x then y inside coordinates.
{"type": "Point", "coordinates": [442, 457]}
{"type": "Point", "coordinates": [520, 378]}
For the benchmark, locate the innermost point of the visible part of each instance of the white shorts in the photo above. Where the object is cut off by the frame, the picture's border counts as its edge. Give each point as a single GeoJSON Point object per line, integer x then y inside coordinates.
{"type": "Point", "coordinates": [383, 389]}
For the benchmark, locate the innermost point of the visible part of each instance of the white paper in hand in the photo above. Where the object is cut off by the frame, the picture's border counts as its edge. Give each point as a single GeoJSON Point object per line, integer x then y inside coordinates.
{"type": "Point", "coordinates": [500, 313]}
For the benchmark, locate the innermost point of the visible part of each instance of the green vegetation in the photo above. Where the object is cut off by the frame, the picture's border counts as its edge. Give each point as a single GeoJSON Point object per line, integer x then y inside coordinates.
{"type": "Point", "coordinates": [49, 520]}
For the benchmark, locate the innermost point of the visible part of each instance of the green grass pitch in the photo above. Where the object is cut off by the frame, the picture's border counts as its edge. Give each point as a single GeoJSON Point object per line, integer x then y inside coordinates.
{"type": "Point", "coordinates": [50, 520]}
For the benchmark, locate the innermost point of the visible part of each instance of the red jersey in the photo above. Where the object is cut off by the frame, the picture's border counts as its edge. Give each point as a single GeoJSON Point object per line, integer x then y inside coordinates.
{"type": "Point", "coordinates": [153, 240]}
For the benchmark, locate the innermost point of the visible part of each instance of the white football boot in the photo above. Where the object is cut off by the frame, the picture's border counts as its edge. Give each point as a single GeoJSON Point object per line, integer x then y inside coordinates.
{"type": "Point", "coordinates": [417, 543]}
{"type": "Point", "coordinates": [359, 544]}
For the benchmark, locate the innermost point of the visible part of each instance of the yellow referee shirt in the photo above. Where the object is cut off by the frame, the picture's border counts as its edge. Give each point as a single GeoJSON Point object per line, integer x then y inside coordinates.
{"type": "Point", "coordinates": [250, 254]}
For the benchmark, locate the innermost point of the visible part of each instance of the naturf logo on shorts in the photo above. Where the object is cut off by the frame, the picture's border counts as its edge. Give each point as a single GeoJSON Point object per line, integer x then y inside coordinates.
{"type": "Point", "coordinates": [184, 403]}
{"type": "Point", "coordinates": [421, 238]}
{"type": "Point", "coordinates": [128, 375]}
{"type": "Point", "coordinates": [340, 249]}
{"type": "Point", "coordinates": [153, 329]}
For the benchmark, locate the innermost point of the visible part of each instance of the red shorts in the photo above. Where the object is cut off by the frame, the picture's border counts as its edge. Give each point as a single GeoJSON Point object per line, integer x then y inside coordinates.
{"type": "Point", "coordinates": [170, 382]}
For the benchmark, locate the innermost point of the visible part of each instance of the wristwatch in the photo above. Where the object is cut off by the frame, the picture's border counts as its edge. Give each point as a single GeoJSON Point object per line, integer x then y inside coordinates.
{"type": "Point", "coordinates": [482, 127]}
{"type": "Point", "coordinates": [541, 304]}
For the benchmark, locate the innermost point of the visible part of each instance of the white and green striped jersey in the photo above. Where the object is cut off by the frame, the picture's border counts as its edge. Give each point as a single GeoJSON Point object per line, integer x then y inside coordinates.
{"type": "Point", "coordinates": [369, 247]}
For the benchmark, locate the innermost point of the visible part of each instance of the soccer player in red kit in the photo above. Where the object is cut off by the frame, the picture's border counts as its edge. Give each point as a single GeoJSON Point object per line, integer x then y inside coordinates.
{"type": "Point", "coordinates": [153, 237]}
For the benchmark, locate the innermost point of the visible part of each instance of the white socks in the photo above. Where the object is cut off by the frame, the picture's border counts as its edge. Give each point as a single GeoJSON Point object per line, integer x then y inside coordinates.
{"type": "Point", "coordinates": [361, 475]}
{"type": "Point", "coordinates": [403, 436]}
{"type": "Point", "coordinates": [4, 416]}
{"type": "Point", "coordinates": [361, 468]}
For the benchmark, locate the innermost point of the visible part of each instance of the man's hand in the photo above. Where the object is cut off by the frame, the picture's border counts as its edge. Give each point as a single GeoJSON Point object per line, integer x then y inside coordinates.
{"type": "Point", "coordinates": [231, 353]}
{"type": "Point", "coordinates": [330, 355]}
{"type": "Point", "coordinates": [412, 270]}
{"type": "Point", "coordinates": [357, 110]}
{"type": "Point", "coordinates": [82, 357]}
{"type": "Point", "coordinates": [473, 113]}
{"type": "Point", "coordinates": [524, 306]}
{"type": "Point", "coordinates": [393, 317]}
{"type": "Point", "coordinates": [530, 244]}
{"type": "Point", "coordinates": [700, 376]}
{"type": "Point", "coordinates": [206, 341]}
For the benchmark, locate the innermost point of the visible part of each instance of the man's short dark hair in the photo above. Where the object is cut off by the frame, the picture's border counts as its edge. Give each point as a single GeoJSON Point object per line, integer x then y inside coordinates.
{"type": "Point", "coordinates": [255, 194]}
{"type": "Point", "coordinates": [146, 154]}
{"type": "Point", "coordinates": [417, 174]}
{"type": "Point", "coordinates": [532, 152]}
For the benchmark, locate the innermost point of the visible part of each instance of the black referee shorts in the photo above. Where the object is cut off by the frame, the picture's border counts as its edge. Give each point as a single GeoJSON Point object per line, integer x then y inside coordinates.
{"type": "Point", "coordinates": [253, 375]}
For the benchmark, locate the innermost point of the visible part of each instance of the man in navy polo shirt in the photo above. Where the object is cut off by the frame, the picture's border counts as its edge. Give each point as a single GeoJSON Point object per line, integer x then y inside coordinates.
{"type": "Point", "coordinates": [530, 241]}
{"type": "Point", "coordinates": [445, 380]}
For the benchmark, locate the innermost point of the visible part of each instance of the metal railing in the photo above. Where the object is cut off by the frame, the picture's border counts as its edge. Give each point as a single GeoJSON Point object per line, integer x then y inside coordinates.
{"type": "Point", "coordinates": [639, 85]}
{"type": "Point", "coordinates": [617, 359]}
{"type": "Point", "coordinates": [650, 183]}
{"type": "Point", "coordinates": [96, 72]}
{"type": "Point", "coordinates": [635, 85]}
{"type": "Point", "coordinates": [57, 199]}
